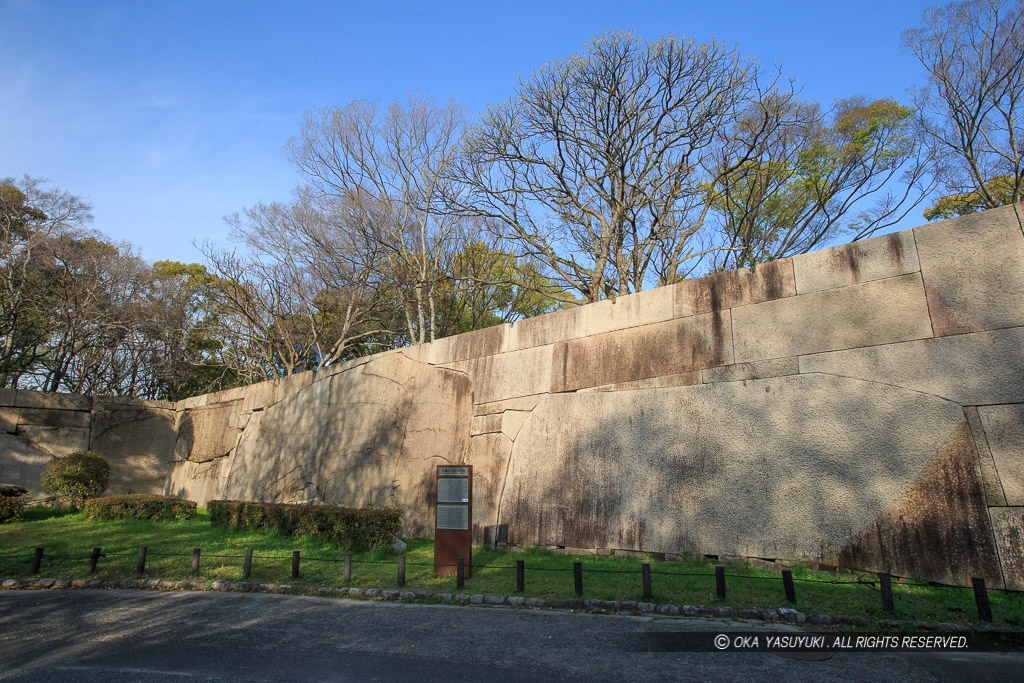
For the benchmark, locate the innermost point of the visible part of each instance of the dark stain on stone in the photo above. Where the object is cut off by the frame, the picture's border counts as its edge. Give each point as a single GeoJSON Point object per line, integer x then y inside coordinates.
{"type": "Point", "coordinates": [940, 528]}
{"type": "Point", "coordinates": [894, 247]}
{"type": "Point", "coordinates": [847, 257]}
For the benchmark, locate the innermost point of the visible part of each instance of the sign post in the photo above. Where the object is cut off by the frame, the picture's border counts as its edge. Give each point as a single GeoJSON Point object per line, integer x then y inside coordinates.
{"type": "Point", "coordinates": [453, 518]}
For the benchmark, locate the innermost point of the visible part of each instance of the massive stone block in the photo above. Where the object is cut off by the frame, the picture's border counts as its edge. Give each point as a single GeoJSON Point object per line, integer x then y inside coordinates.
{"type": "Point", "coordinates": [367, 437]}
{"type": "Point", "coordinates": [208, 432]}
{"type": "Point", "coordinates": [548, 329]}
{"type": "Point", "coordinates": [138, 443]}
{"type": "Point", "coordinates": [643, 308]}
{"type": "Point", "coordinates": [849, 264]}
{"type": "Point", "coordinates": [971, 369]}
{"type": "Point", "coordinates": [667, 348]}
{"type": "Point", "coordinates": [39, 399]}
{"type": "Point", "coordinates": [868, 314]}
{"type": "Point", "coordinates": [9, 419]}
{"type": "Point", "coordinates": [770, 281]}
{"type": "Point", "coordinates": [54, 418]}
{"type": "Point", "coordinates": [759, 369]}
{"type": "Point", "coordinates": [22, 463]}
{"type": "Point", "coordinates": [994, 494]}
{"type": "Point", "coordinates": [55, 440]}
{"type": "Point", "coordinates": [508, 375]}
{"type": "Point", "coordinates": [1004, 427]}
{"type": "Point", "coordinates": [1008, 523]}
{"type": "Point", "coordinates": [486, 342]}
{"type": "Point", "coordinates": [198, 481]}
{"type": "Point", "coordinates": [488, 454]}
{"type": "Point", "coordinates": [973, 269]}
{"type": "Point", "coordinates": [790, 467]}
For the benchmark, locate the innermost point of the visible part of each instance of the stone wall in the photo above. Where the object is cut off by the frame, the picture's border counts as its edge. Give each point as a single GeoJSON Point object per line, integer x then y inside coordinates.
{"type": "Point", "coordinates": [135, 437]}
{"type": "Point", "coordinates": [860, 407]}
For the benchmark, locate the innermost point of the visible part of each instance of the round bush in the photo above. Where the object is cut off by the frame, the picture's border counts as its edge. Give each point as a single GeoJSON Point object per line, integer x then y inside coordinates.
{"type": "Point", "coordinates": [11, 505]}
{"type": "Point", "coordinates": [76, 477]}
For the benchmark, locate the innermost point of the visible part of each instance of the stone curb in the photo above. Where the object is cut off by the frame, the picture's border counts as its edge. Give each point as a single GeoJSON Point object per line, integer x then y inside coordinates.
{"type": "Point", "coordinates": [781, 614]}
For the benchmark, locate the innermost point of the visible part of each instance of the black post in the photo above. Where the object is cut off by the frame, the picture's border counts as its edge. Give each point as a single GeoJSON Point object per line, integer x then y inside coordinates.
{"type": "Point", "coordinates": [93, 559]}
{"type": "Point", "coordinates": [140, 564]}
{"type": "Point", "coordinates": [645, 574]}
{"type": "Point", "coordinates": [981, 597]}
{"type": "Point", "coordinates": [37, 560]}
{"type": "Point", "coordinates": [787, 583]}
{"type": "Point", "coordinates": [346, 577]}
{"type": "Point", "coordinates": [295, 564]}
{"type": "Point", "coordinates": [885, 584]}
{"type": "Point", "coordinates": [520, 576]}
{"type": "Point", "coordinates": [720, 581]}
{"type": "Point", "coordinates": [577, 578]}
{"type": "Point", "coordinates": [247, 565]}
{"type": "Point", "coordinates": [196, 552]}
{"type": "Point", "coordinates": [401, 570]}
{"type": "Point", "coordinates": [460, 572]}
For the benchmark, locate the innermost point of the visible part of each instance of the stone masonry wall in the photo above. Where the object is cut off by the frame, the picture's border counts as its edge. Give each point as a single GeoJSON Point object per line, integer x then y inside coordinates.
{"type": "Point", "coordinates": [860, 407]}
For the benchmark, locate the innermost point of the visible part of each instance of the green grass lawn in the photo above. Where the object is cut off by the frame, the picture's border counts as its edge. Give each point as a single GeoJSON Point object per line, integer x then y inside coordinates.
{"type": "Point", "coordinates": [68, 539]}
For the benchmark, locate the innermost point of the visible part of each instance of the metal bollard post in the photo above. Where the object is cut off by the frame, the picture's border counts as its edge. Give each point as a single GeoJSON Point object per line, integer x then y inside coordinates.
{"type": "Point", "coordinates": [645, 575]}
{"type": "Point", "coordinates": [885, 584]}
{"type": "Point", "coordinates": [93, 559]}
{"type": "Point", "coordinates": [401, 570]}
{"type": "Point", "coordinates": [981, 598]}
{"type": "Point", "coordinates": [37, 560]}
{"type": "Point", "coordinates": [460, 572]}
{"type": "Point", "coordinates": [140, 564]}
{"type": "Point", "coordinates": [577, 578]}
{"type": "Point", "coordinates": [787, 584]}
{"type": "Point", "coordinates": [247, 565]}
{"type": "Point", "coordinates": [520, 576]}
{"type": "Point", "coordinates": [295, 564]}
{"type": "Point", "coordinates": [196, 552]}
{"type": "Point", "coordinates": [720, 581]}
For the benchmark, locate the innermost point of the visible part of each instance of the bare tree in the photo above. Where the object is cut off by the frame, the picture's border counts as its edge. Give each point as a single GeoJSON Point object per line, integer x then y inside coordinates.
{"type": "Point", "coordinates": [602, 164]}
{"type": "Point", "coordinates": [384, 171]}
{"type": "Point", "coordinates": [970, 112]}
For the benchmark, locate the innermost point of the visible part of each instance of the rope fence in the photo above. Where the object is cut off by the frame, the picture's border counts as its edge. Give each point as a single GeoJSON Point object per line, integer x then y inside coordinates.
{"type": "Point", "coordinates": [882, 584]}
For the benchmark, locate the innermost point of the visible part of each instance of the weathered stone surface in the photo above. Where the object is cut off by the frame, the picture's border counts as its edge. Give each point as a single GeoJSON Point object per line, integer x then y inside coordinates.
{"type": "Point", "coordinates": [971, 369]}
{"type": "Point", "coordinates": [879, 312]}
{"type": "Point", "coordinates": [508, 375]}
{"type": "Point", "coordinates": [1004, 427]}
{"type": "Point", "coordinates": [973, 269]}
{"type": "Point", "coordinates": [770, 281]}
{"type": "Point", "coordinates": [265, 394]}
{"type": "Point", "coordinates": [512, 421]}
{"type": "Point", "coordinates": [680, 379]}
{"type": "Point", "coordinates": [54, 418]}
{"type": "Point", "coordinates": [788, 467]}
{"type": "Point", "coordinates": [938, 527]}
{"type": "Point", "coordinates": [206, 433]}
{"type": "Point", "coordinates": [485, 424]}
{"type": "Point", "coordinates": [198, 481]}
{"type": "Point", "coordinates": [9, 419]}
{"type": "Point", "coordinates": [367, 437]}
{"type": "Point", "coordinates": [759, 369]}
{"type": "Point", "coordinates": [8, 397]}
{"type": "Point", "coordinates": [667, 348]}
{"type": "Point", "coordinates": [138, 443]}
{"type": "Point", "coordinates": [477, 344]}
{"type": "Point", "coordinates": [994, 494]}
{"type": "Point", "coordinates": [39, 399]}
{"type": "Point", "coordinates": [1008, 523]}
{"type": "Point", "coordinates": [488, 454]}
{"type": "Point", "coordinates": [633, 310]}
{"type": "Point", "coordinates": [549, 328]}
{"type": "Point", "coordinates": [56, 440]}
{"type": "Point", "coordinates": [22, 463]}
{"type": "Point", "coordinates": [526, 403]}
{"type": "Point", "coordinates": [871, 259]}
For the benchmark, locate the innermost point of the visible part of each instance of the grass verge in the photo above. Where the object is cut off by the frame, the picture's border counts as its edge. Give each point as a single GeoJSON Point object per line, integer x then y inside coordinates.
{"type": "Point", "coordinates": [68, 539]}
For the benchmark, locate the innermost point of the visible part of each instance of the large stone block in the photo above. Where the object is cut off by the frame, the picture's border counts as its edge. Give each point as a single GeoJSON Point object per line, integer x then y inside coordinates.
{"type": "Point", "coordinates": [476, 344]}
{"type": "Point", "coordinates": [508, 375]}
{"type": "Point", "coordinates": [973, 269]}
{"type": "Point", "coordinates": [22, 463]}
{"type": "Point", "coordinates": [632, 310]}
{"type": "Point", "coordinates": [9, 419]}
{"type": "Point", "coordinates": [549, 328]}
{"type": "Point", "coordinates": [197, 481]}
{"type": "Point", "coordinates": [488, 454]}
{"type": "Point", "coordinates": [1008, 523]}
{"type": "Point", "coordinates": [789, 467]}
{"type": "Point", "coordinates": [971, 369]}
{"type": "Point", "coordinates": [871, 259]}
{"type": "Point", "coordinates": [770, 281]}
{"type": "Point", "coordinates": [55, 440]}
{"type": "Point", "coordinates": [879, 312]}
{"type": "Point", "coordinates": [668, 348]}
{"type": "Point", "coordinates": [39, 399]}
{"type": "Point", "coordinates": [54, 418]}
{"type": "Point", "coordinates": [206, 433]}
{"type": "Point", "coordinates": [8, 397]}
{"type": "Point", "coordinates": [994, 494]}
{"type": "Point", "coordinates": [265, 394]}
{"type": "Point", "coordinates": [522, 403]}
{"type": "Point", "coordinates": [759, 369]}
{"type": "Point", "coordinates": [138, 443]}
{"type": "Point", "coordinates": [681, 379]}
{"type": "Point", "coordinates": [1004, 427]}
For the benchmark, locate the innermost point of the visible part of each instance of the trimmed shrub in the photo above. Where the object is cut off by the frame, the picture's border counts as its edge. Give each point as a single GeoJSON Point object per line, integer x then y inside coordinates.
{"type": "Point", "coordinates": [348, 527]}
{"type": "Point", "coordinates": [76, 477]}
{"type": "Point", "coordinates": [12, 507]}
{"type": "Point", "coordinates": [140, 506]}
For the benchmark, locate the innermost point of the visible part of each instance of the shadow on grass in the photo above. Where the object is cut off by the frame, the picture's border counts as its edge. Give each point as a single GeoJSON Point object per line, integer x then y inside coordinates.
{"type": "Point", "coordinates": [37, 513]}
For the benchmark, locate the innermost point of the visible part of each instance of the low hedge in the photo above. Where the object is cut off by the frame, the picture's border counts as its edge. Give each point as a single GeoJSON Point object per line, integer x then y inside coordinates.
{"type": "Point", "coordinates": [139, 506]}
{"type": "Point", "coordinates": [348, 527]}
{"type": "Point", "coordinates": [11, 508]}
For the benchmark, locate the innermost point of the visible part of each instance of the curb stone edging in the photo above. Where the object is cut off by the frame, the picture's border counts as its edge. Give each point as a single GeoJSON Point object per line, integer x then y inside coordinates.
{"type": "Point", "coordinates": [781, 614]}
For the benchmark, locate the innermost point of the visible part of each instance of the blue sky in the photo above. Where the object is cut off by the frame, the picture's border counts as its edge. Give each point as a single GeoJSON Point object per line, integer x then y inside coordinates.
{"type": "Point", "coordinates": [167, 116]}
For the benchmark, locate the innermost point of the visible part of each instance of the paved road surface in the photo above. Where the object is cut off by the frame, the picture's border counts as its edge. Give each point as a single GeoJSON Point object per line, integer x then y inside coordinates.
{"type": "Point", "coordinates": [86, 635]}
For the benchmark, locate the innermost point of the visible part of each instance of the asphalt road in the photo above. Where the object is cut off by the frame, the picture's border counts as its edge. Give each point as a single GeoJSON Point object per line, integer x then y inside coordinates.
{"type": "Point", "coordinates": [86, 635]}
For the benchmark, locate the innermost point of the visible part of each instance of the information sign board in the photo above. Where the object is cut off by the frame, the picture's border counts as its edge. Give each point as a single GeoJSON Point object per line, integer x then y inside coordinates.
{"type": "Point", "coordinates": [453, 518]}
